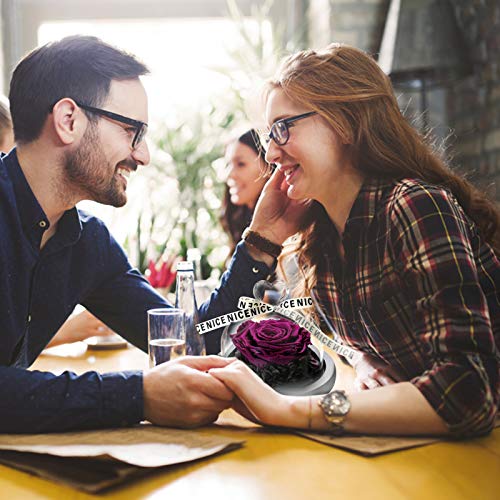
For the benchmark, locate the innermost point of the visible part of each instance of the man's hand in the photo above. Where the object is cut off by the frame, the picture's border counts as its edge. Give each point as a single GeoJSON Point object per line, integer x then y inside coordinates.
{"type": "Point", "coordinates": [181, 394]}
{"type": "Point", "coordinates": [277, 217]}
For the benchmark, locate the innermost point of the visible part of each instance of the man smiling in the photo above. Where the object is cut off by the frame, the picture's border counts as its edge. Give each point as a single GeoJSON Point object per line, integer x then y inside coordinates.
{"type": "Point", "coordinates": [79, 112]}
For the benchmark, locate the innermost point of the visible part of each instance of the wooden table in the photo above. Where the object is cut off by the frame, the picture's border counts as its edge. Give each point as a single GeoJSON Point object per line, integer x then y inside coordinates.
{"type": "Point", "coordinates": [278, 466]}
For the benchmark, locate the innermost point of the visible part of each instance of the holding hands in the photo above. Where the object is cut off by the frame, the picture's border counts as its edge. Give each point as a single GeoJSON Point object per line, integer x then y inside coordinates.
{"type": "Point", "coordinates": [200, 388]}
{"type": "Point", "coordinates": [194, 397]}
{"type": "Point", "coordinates": [254, 400]}
{"type": "Point", "coordinates": [257, 401]}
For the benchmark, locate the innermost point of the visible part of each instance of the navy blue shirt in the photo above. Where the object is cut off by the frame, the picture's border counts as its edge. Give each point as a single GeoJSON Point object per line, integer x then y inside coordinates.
{"type": "Point", "coordinates": [80, 264]}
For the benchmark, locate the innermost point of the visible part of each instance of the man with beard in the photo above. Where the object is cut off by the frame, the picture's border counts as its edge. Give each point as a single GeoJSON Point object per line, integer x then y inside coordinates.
{"type": "Point", "coordinates": [79, 112]}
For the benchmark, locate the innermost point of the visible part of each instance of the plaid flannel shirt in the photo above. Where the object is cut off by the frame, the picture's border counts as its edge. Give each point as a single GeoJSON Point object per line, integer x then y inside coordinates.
{"type": "Point", "coordinates": [420, 290]}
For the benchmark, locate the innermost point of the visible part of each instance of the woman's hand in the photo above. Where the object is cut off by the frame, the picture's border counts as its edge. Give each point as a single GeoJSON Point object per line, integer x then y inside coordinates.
{"type": "Point", "coordinates": [372, 372]}
{"type": "Point", "coordinates": [256, 400]}
{"type": "Point", "coordinates": [80, 327]}
{"type": "Point", "coordinates": [277, 217]}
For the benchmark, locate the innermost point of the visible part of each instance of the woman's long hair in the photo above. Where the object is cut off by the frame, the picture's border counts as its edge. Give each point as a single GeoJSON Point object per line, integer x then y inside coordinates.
{"type": "Point", "coordinates": [350, 91]}
{"type": "Point", "coordinates": [235, 218]}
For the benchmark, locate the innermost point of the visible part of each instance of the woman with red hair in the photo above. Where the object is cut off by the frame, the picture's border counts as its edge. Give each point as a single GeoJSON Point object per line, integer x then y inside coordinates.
{"type": "Point", "coordinates": [400, 253]}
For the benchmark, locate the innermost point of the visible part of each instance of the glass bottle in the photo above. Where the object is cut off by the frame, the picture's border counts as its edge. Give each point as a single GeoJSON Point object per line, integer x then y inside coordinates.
{"type": "Point", "coordinates": [185, 299]}
{"type": "Point", "coordinates": [194, 256]}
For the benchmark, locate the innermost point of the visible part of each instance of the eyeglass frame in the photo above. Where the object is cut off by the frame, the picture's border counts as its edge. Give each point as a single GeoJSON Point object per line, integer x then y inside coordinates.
{"type": "Point", "coordinates": [141, 127]}
{"type": "Point", "coordinates": [286, 122]}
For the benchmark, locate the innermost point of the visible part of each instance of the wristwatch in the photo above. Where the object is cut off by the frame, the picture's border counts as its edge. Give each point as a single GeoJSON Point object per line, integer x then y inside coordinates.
{"type": "Point", "coordinates": [335, 406]}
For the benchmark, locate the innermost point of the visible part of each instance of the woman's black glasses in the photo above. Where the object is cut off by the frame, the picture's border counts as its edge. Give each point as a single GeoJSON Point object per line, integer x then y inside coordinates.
{"type": "Point", "coordinates": [280, 132]}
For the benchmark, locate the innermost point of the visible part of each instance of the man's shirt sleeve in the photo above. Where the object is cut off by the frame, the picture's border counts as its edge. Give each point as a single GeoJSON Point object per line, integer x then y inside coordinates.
{"type": "Point", "coordinates": [43, 402]}
{"type": "Point", "coordinates": [432, 243]}
{"type": "Point", "coordinates": [123, 296]}
{"type": "Point", "coordinates": [33, 401]}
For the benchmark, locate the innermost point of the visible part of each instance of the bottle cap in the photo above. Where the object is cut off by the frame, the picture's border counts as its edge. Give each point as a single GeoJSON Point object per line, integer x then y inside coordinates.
{"type": "Point", "coordinates": [185, 265]}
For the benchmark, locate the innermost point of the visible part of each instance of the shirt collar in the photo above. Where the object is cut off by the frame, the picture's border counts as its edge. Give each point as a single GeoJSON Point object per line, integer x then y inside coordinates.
{"type": "Point", "coordinates": [365, 205]}
{"type": "Point", "coordinates": [33, 218]}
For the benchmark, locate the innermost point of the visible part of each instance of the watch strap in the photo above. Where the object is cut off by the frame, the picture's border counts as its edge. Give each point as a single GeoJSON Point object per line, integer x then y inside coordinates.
{"type": "Point", "coordinates": [262, 244]}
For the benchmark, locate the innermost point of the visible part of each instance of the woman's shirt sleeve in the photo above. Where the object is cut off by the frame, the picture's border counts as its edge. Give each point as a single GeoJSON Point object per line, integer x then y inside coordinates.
{"type": "Point", "coordinates": [438, 252]}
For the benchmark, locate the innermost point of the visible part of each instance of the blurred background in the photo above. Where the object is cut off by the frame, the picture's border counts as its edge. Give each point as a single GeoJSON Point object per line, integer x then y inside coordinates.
{"type": "Point", "coordinates": [208, 60]}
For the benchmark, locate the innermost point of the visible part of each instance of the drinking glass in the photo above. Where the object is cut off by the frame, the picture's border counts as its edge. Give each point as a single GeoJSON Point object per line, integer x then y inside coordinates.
{"type": "Point", "coordinates": [166, 335]}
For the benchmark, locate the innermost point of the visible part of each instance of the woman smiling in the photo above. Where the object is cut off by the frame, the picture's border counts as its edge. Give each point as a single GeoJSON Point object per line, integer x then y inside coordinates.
{"type": "Point", "coordinates": [400, 253]}
{"type": "Point", "coordinates": [245, 179]}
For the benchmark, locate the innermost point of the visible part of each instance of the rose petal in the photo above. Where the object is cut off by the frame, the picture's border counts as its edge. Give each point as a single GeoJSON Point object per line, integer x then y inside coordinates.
{"type": "Point", "coordinates": [275, 340]}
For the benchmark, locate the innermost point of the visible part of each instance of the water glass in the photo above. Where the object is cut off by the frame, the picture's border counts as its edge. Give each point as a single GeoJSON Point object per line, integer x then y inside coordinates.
{"type": "Point", "coordinates": [166, 335]}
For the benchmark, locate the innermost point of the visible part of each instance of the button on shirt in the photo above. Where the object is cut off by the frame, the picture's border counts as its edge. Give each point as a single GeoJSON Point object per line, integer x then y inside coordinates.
{"type": "Point", "coordinates": [80, 264]}
{"type": "Point", "coordinates": [420, 289]}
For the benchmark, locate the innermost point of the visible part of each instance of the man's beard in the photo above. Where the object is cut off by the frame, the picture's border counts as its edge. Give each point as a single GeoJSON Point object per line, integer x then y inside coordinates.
{"type": "Point", "coordinates": [90, 173]}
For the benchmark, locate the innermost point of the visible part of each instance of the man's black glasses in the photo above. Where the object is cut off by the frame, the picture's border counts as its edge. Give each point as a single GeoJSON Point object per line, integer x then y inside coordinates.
{"type": "Point", "coordinates": [280, 132]}
{"type": "Point", "coordinates": [140, 127]}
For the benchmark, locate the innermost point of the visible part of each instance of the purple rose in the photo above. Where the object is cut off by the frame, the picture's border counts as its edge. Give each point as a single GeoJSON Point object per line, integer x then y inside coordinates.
{"type": "Point", "coordinates": [278, 341]}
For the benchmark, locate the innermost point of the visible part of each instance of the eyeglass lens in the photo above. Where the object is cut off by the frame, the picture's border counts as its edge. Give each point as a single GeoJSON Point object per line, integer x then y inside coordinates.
{"type": "Point", "coordinates": [280, 132]}
{"type": "Point", "coordinates": [139, 136]}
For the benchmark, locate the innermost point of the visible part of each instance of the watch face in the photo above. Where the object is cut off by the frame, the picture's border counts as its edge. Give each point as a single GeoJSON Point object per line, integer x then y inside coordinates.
{"type": "Point", "coordinates": [336, 404]}
{"type": "Point", "coordinates": [343, 406]}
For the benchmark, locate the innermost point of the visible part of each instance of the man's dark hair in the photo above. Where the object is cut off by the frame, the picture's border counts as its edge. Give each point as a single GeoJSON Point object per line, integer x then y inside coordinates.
{"type": "Point", "coordinates": [80, 67]}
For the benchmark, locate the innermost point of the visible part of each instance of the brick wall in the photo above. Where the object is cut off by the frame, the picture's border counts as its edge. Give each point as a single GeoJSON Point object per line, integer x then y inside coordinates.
{"type": "Point", "coordinates": [358, 22]}
{"type": "Point", "coordinates": [474, 104]}
{"type": "Point", "coordinates": [469, 111]}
